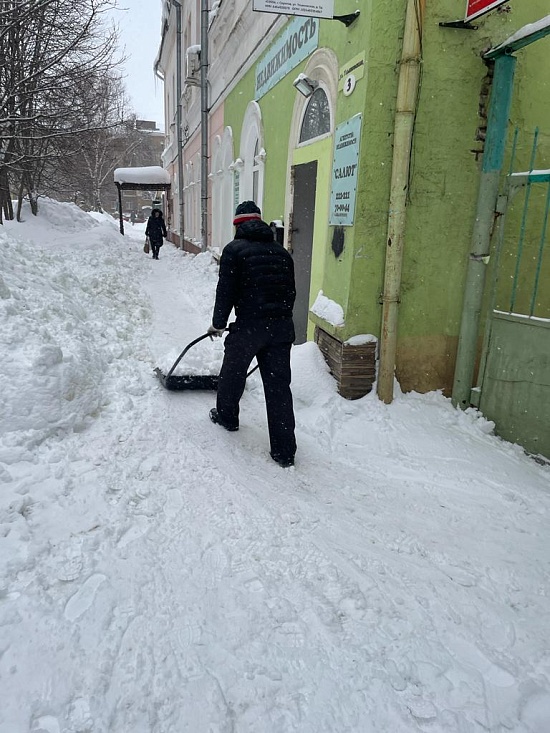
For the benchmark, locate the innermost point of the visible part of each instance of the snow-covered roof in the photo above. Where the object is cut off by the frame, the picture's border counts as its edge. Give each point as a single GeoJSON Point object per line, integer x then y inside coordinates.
{"type": "Point", "coordinates": [148, 175]}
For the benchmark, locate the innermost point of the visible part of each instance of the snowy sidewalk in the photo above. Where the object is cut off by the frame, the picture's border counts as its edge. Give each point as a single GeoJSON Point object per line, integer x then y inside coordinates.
{"type": "Point", "coordinates": [160, 575]}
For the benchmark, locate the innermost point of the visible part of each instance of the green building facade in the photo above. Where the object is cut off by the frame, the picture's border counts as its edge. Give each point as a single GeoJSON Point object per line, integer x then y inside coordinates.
{"type": "Point", "coordinates": [303, 147]}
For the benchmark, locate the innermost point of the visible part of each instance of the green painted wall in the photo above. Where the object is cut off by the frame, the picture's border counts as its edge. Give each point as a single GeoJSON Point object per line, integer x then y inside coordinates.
{"type": "Point", "coordinates": [445, 179]}
{"type": "Point", "coordinates": [444, 170]}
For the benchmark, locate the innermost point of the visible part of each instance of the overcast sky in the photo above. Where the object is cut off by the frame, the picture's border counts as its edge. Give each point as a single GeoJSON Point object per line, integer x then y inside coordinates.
{"type": "Point", "coordinates": [139, 25]}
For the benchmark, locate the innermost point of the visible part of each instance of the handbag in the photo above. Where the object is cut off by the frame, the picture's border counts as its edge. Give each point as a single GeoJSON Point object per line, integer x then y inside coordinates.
{"type": "Point", "coordinates": [146, 247]}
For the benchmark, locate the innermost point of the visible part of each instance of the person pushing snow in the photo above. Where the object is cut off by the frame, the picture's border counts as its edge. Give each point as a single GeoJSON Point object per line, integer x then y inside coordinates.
{"type": "Point", "coordinates": [257, 279]}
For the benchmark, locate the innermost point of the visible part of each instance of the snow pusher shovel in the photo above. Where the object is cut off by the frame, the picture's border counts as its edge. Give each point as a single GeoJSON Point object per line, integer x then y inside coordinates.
{"type": "Point", "coordinates": [189, 381]}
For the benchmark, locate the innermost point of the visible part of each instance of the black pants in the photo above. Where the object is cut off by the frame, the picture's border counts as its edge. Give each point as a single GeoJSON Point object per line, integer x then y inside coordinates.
{"type": "Point", "coordinates": [270, 341]}
{"type": "Point", "coordinates": [155, 246]}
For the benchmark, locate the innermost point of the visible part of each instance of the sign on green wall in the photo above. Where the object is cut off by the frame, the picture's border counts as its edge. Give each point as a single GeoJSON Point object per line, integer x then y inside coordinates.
{"type": "Point", "coordinates": [344, 172]}
{"type": "Point", "coordinates": [299, 39]}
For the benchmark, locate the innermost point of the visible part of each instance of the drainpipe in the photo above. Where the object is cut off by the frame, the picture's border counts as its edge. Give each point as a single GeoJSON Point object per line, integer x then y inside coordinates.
{"type": "Point", "coordinates": [405, 113]}
{"type": "Point", "coordinates": [204, 125]}
{"type": "Point", "coordinates": [493, 158]}
{"type": "Point", "coordinates": [179, 121]}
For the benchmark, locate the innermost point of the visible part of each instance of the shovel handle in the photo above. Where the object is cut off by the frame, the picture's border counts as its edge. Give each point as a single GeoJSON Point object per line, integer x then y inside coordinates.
{"type": "Point", "coordinates": [189, 346]}
{"type": "Point", "coordinates": [184, 352]}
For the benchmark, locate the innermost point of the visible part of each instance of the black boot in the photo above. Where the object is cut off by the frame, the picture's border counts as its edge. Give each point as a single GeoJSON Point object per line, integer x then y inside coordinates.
{"type": "Point", "coordinates": [284, 462]}
{"type": "Point", "coordinates": [217, 420]}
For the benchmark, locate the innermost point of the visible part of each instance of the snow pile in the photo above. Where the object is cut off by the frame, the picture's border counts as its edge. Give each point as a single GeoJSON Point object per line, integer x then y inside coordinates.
{"type": "Point", "coordinates": [328, 310]}
{"type": "Point", "coordinates": [62, 322]}
{"type": "Point", "coordinates": [361, 339]}
{"type": "Point", "coordinates": [63, 216]}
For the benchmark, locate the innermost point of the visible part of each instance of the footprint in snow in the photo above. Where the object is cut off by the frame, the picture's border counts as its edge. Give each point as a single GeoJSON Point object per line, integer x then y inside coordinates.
{"type": "Point", "coordinates": [137, 530]}
{"type": "Point", "coordinates": [46, 724]}
{"type": "Point", "coordinates": [174, 503]}
{"type": "Point", "coordinates": [83, 598]}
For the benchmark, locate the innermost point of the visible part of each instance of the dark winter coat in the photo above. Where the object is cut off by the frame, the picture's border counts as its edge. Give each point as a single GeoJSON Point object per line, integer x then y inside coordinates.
{"type": "Point", "coordinates": [256, 277]}
{"type": "Point", "coordinates": [156, 228]}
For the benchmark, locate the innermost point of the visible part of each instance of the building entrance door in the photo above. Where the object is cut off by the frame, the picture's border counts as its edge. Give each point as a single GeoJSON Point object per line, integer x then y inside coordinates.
{"type": "Point", "coordinates": [301, 240]}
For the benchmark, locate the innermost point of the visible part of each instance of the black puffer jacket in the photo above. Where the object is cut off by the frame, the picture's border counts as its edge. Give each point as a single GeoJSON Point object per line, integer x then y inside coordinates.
{"type": "Point", "coordinates": [256, 277]}
{"type": "Point", "coordinates": [156, 228]}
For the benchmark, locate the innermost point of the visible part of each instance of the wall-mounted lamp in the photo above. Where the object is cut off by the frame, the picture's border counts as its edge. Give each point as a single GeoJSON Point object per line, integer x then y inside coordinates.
{"type": "Point", "coordinates": [305, 85]}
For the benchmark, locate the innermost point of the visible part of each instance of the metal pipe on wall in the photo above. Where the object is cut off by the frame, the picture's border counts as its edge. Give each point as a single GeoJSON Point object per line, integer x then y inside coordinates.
{"type": "Point", "coordinates": [493, 158]}
{"type": "Point", "coordinates": [179, 122]}
{"type": "Point", "coordinates": [204, 125]}
{"type": "Point", "coordinates": [405, 113]}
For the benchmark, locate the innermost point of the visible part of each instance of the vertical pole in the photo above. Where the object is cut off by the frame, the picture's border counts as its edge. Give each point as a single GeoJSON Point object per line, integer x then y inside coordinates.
{"type": "Point", "coordinates": [405, 113]}
{"type": "Point", "coordinates": [541, 251]}
{"type": "Point", "coordinates": [493, 159]}
{"type": "Point", "coordinates": [204, 125]}
{"type": "Point", "coordinates": [120, 217]}
{"type": "Point", "coordinates": [179, 123]}
{"type": "Point", "coordinates": [523, 226]}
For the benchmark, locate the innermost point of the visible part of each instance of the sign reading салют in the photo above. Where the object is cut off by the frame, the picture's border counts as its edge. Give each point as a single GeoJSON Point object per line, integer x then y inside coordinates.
{"type": "Point", "coordinates": [344, 172]}
{"type": "Point", "coordinates": [474, 8]}
{"type": "Point", "coordinates": [313, 8]}
{"type": "Point", "coordinates": [299, 38]}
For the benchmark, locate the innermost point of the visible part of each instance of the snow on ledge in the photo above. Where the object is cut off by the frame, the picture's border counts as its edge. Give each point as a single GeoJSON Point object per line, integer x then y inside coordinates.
{"type": "Point", "coordinates": [525, 32]}
{"type": "Point", "coordinates": [361, 339]}
{"type": "Point", "coordinates": [148, 174]}
{"type": "Point", "coordinates": [328, 310]}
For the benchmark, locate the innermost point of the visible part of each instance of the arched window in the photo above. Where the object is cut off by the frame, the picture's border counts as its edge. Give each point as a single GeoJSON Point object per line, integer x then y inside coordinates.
{"type": "Point", "coordinates": [197, 218]}
{"type": "Point", "coordinates": [316, 120]}
{"type": "Point", "coordinates": [221, 177]}
{"type": "Point", "coordinates": [251, 182]}
{"type": "Point", "coordinates": [227, 210]}
{"type": "Point", "coordinates": [187, 199]}
{"type": "Point", "coordinates": [255, 172]}
{"type": "Point", "coordinates": [215, 177]}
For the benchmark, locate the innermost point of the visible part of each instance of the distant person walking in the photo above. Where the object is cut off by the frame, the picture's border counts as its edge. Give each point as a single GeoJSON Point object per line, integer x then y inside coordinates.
{"type": "Point", "coordinates": [156, 230]}
{"type": "Point", "coordinates": [257, 279]}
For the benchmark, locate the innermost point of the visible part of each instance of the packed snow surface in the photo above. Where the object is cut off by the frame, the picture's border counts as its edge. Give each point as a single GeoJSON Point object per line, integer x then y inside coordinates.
{"type": "Point", "coordinates": [160, 575]}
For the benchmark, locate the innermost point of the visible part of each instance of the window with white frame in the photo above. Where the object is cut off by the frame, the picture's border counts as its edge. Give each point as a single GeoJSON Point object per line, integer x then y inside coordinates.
{"type": "Point", "coordinates": [187, 200]}
{"type": "Point", "coordinates": [227, 209]}
{"type": "Point", "coordinates": [215, 177]}
{"type": "Point", "coordinates": [253, 155]}
{"type": "Point", "coordinates": [196, 197]}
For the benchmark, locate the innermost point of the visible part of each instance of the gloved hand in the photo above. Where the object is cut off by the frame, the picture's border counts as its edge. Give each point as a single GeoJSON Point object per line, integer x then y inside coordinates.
{"type": "Point", "coordinates": [215, 332]}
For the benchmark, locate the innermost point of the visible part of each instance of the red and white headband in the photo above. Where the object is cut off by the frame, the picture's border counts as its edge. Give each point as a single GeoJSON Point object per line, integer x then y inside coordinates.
{"type": "Point", "coordinates": [241, 218]}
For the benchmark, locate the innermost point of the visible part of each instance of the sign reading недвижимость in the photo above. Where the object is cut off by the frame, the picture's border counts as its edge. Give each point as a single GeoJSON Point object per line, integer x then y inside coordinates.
{"type": "Point", "coordinates": [298, 40]}
{"type": "Point", "coordinates": [475, 8]}
{"type": "Point", "coordinates": [313, 8]}
{"type": "Point", "coordinates": [345, 163]}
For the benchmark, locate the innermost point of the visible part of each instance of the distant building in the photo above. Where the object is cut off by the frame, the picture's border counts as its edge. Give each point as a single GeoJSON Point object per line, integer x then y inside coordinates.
{"type": "Point", "coordinates": [148, 152]}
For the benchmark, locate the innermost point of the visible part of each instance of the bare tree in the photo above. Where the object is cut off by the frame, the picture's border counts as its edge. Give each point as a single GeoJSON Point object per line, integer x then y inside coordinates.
{"type": "Point", "coordinates": [49, 49]}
